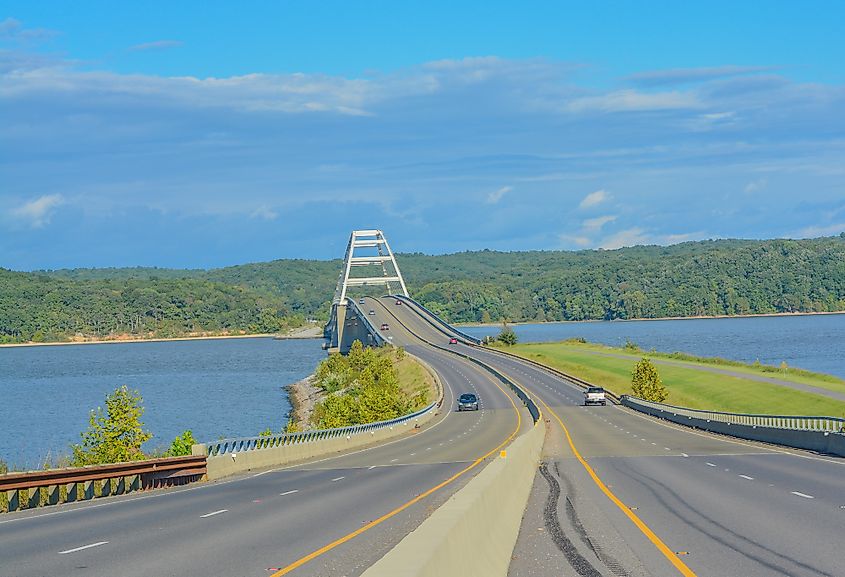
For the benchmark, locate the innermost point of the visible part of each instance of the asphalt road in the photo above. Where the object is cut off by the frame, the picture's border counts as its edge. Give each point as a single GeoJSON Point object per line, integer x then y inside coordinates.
{"type": "Point", "coordinates": [725, 507]}
{"type": "Point", "coordinates": [260, 524]}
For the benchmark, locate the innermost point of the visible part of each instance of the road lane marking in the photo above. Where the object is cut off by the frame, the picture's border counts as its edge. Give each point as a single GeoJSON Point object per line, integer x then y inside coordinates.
{"type": "Point", "coordinates": [371, 467]}
{"type": "Point", "coordinates": [338, 479]}
{"type": "Point", "coordinates": [289, 492]}
{"type": "Point", "coordinates": [670, 555]}
{"type": "Point", "coordinates": [212, 514]}
{"type": "Point", "coordinates": [83, 547]}
{"type": "Point", "coordinates": [747, 477]}
{"type": "Point", "coordinates": [314, 554]}
{"type": "Point", "coordinates": [684, 455]}
{"type": "Point", "coordinates": [710, 465]}
{"type": "Point", "coordinates": [805, 495]}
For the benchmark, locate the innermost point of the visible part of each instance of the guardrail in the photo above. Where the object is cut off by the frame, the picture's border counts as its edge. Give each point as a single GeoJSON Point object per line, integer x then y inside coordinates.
{"type": "Point", "coordinates": [822, 434]}
{"type": "Point", "coordinates": [53, 486]}
{"type": "Point", "coordinates": [529, 403]}
{"type": "Point", "coordinates": [446, 325]}
{"type": "Point", "coordinates": [246, 444]}
{"type": "Point", "coordinates": [377, 336]}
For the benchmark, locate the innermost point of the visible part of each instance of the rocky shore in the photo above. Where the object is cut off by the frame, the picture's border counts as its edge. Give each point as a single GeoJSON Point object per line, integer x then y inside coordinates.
{"type": "Point", "coordinates": [303, 396]}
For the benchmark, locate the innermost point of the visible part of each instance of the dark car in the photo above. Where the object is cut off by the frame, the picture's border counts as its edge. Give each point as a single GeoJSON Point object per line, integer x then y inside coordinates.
{"type": "Point", "coordinates": [453, 341]}
{"type": "Point", "coordinates": [467, 402]}
{"type": "Point", "coordinates": [398, 302]}
{"type": "Point", "coordinates": [384, 327]}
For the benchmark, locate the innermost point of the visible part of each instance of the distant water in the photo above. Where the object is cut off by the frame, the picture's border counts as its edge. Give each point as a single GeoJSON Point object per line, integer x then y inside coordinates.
{"type": "Point", "coordinates": [812, 342]}
{"type": "Point", "coordinates": [217, 388]}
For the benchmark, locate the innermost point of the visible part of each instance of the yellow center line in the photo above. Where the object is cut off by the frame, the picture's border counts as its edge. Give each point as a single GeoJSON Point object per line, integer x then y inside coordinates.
{"type": "Point", "coordinates": [313, 555]}
{"type": "Point", "coordinates": [657, 541]}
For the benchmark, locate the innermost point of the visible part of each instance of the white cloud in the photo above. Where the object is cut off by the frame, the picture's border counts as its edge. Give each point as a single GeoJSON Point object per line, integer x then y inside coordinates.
{"type": "Point", "coordinates": [579, 241]}
{"type": "Point", "coordinates": [596, 224]}
{"type": "Point", "coordinates": [156, 45]}
{"type": "Point", "coordinates": [633, 100]}
{"type": "Point", "coordinates": [594, 199]}
{"type": "Point", "coordinates": [628, 237]}
{"type": "Point", "coordinates": [265, 213]}
{"type": "Point", "coordinates": [816, 231]}
{"type": "Point", "coordinates": [495, 196]}
{"type": "Point", "coordinates": [756, 185]}
{"type": "Point", "coordinates": [37, 212]}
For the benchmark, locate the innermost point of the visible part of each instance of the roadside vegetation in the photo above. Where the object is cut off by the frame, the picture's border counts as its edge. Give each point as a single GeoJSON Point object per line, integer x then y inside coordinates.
{"type": "Point", "coordinates": [697, 384]}
{"type": "Point", "coordinates": [706, 278]}
{"type": "Point", "coordinates": [368, 385]}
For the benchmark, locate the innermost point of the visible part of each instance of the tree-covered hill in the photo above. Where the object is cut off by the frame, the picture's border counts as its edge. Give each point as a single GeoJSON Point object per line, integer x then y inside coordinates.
{"type": "Point", "coordinates": [725, 277]}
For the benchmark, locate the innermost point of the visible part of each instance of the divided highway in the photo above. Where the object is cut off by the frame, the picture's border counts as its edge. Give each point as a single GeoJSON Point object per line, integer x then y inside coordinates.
{"type": "Point", "coordinates": [334, 516]}
{"type": "Point", "coordinates": [687, 503]}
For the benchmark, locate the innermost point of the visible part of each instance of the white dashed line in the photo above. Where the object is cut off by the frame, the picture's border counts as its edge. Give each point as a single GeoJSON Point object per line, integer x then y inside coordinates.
{"type": "Point", "coordinates": [710, 465]}
{"type": "Point", "coordinates": [684, 455]}
{"type": "Point", "coordinates": [337, 479]}
{"type": "Point", "coordinates": [747, 477]}
{"type": "Point", "coordinates": [213, 513]}
{"type": "Point", "coordinates": [805, 495]}
{"type": "Point", "coordinates": [83, 547]}
{"type": "Point", "coordinates": [289, 492]}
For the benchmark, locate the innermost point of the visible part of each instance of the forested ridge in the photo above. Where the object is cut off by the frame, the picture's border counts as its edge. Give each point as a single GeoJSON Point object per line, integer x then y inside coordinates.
{"type": "Point", "coordinates": [707, 278]}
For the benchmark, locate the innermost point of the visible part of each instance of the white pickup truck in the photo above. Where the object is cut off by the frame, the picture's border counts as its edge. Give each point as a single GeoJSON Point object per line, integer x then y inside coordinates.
{"type": "Point", "coordinates": [594, 396]}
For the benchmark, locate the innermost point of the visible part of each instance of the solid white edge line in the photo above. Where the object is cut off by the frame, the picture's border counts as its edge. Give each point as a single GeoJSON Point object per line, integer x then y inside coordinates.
{"type": "Point", "coordinates": [213, 513]}
{"type": "Point", "coordinates": [83, 547]}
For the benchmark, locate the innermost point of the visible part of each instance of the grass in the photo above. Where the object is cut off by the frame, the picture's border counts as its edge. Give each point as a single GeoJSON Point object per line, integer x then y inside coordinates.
{"type": "Point", "coordinates": [688, 383]}
{"type": "Point", "coordinates": [414, 378]}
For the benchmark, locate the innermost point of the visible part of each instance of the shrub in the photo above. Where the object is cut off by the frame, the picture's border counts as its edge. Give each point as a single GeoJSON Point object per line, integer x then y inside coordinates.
{"type": "Point", "coordinates": [116, 434]}
{"type": "Point", "coordinates": [182, 444]}
{"type": "Point", "coordinates": [646, 383]}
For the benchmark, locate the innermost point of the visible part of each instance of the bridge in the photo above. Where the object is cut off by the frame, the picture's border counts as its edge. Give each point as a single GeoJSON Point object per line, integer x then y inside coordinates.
{"type": "Point", "coordinates": [615, 492]}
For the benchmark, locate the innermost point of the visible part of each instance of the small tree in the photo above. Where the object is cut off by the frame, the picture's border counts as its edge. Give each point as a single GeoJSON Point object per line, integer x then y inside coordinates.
{"type": "Point", "coordinates": [116, 434]}
{"type": "Point", "coordinates": [507, 336]}
{"type": "Point", "coordinates": [182, 444]}
{"type": "Point", "coordinates": [646, 383]}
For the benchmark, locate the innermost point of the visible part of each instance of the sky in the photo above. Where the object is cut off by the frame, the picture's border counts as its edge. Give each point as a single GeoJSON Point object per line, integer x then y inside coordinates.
{"type": "Point", "coordinates": [206, 134]}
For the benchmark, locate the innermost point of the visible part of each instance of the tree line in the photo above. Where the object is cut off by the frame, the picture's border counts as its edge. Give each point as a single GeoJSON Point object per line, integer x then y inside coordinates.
{"type": "Point", "coordinates": [705, 278]}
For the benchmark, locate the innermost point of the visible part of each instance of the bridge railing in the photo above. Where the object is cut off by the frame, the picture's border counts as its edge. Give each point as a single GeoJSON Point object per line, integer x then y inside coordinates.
{"type": "Point", "coordinates": [364, 318]}
{"type": "Point", "coordinates": [822, 434]}
{"type": "Point", "coordinates": [244, 444]}
{"type": "Point", "coordinates": [53, 486]}
{"type": "Point", "coordinates": [440, 321]}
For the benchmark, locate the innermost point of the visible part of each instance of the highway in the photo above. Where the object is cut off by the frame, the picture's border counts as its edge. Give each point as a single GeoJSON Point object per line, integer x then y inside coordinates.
{"type": "Point", "coordinates": [721, 507]}
{"type": "Point", "coordinates": [334, 516]}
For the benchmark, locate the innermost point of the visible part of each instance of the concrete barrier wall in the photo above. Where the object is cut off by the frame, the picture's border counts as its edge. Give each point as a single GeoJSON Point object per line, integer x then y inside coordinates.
{"type": "Point", "coordinates": [241, 462]}
{"type": "Point", "coordinates": [820, 441]}
{"type": "Point", "coordinates": [475, 531]}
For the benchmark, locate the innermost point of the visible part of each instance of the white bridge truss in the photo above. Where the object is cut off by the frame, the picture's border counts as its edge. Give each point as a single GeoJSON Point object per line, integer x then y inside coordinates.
{"type": "Point", "coordinates": [374, 243]}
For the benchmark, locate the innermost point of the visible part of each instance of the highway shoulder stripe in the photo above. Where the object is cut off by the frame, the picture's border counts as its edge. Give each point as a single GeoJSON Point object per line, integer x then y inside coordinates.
{"type": "Point", "coordinates": [83, 547]}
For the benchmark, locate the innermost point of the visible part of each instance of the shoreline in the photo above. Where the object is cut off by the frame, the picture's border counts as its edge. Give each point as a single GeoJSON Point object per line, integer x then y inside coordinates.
{"type": "Point", "coordinates": [294, 335]}
{"type": "Point", "coordinates": [302, 396]}
{"type": "Point", "coordinates": [697, 317]}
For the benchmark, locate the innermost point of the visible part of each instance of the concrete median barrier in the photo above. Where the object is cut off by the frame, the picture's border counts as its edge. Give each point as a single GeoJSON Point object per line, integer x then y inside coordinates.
{"type": "Point", "coordinates": [474, 532]}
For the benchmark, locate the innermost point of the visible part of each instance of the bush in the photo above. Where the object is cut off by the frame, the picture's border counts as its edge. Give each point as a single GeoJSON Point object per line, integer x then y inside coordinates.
{"type": "Point", "coordinates": [646, 383]}
{"type": "Point", "coordinates": [507, 336]}
{"type": "Point", "coordinates": [182, 444]}
{"type": "Point", "coordinates": [116, 434]}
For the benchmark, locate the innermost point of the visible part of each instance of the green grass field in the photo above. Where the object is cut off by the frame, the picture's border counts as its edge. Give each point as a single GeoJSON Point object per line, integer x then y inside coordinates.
{"type": "Point", "coordinates": [413, 378]}
{"type": "Point", "coordinates": [690, 383]}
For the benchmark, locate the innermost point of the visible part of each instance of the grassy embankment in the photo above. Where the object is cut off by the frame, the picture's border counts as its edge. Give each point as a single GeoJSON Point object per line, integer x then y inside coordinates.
{"type": "Point", "coordinates": [691, 380]}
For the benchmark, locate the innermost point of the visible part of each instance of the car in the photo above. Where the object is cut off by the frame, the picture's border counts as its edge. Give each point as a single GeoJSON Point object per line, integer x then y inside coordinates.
{"type": "Point", "coordinates": [384, 327]}
{"type": "Point", "coordinates": [372, 312]}
{"type": "Point", "coordinates": [360, 301]}
{"type": "Point", "coordinates": [453, 341]}
{"type": "Point", "coordinates": [398, 302]}
{"type": "Point", "coordinates": [594, 396]}
{"type": "Point", "coordinates": [468, 402]}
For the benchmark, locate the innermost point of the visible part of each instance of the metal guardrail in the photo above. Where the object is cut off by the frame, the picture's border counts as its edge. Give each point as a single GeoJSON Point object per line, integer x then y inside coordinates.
{"type": "Point", "coordinates": [446, 325]}
{"type": "Point", "coordinates": [377, 336]}
{"type": "Point", "coordinates": [240, 445]}
{"type": "Point", "coordinates": [787, 422]}
{"type": "Point", "coordinates": [54, 486]}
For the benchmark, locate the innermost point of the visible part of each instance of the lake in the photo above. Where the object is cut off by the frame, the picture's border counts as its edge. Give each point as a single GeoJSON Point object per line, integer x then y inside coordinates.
{"type": "Point", "coordinates": [812, 342]}
{"type": "Point", "coordinates": [217, 388]}
{"type": "Point", "coordinates": [233, 387]}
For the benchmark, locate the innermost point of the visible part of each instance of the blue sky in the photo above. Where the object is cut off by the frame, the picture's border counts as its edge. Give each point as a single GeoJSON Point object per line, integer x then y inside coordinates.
{"type": "Point", "coordinates": [205, 134]}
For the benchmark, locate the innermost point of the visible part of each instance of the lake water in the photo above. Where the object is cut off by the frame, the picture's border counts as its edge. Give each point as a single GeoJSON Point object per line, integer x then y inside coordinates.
{"type": "Point", "coordinates": [217, 388]}
{"type": "Point", "coordinates": [233, 387]}
{"type": "Point", "coordinates": [812, 342]}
